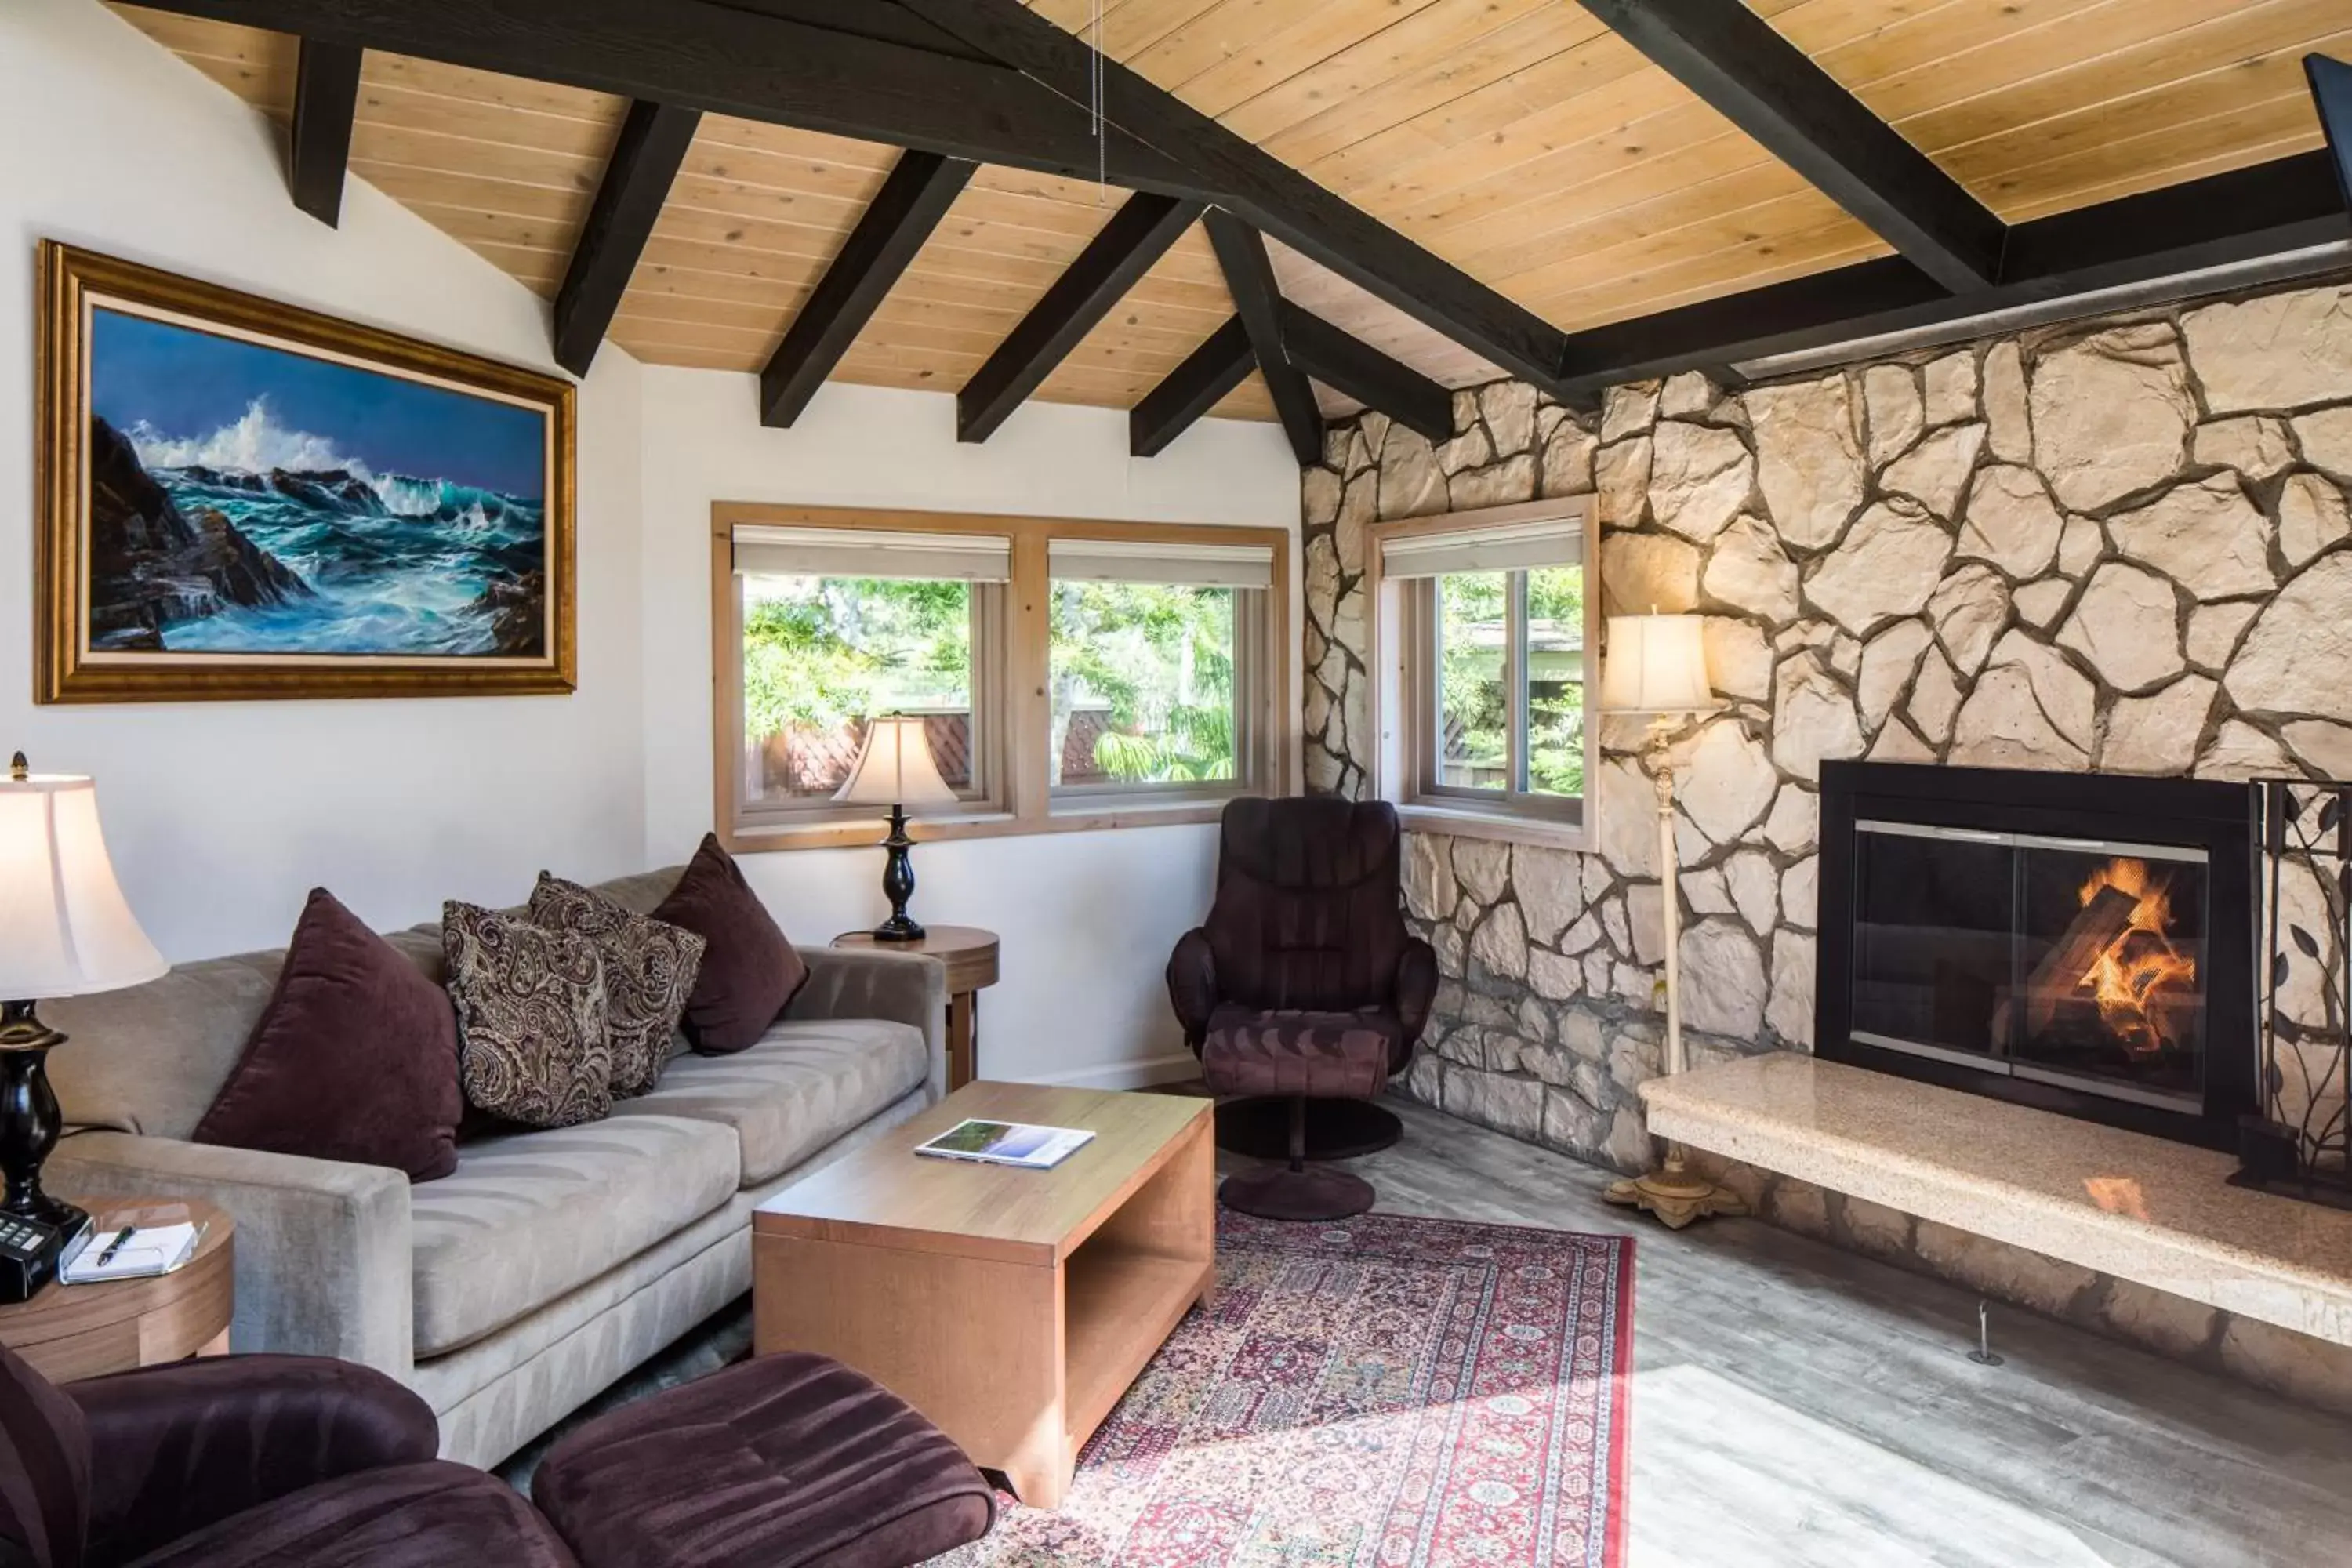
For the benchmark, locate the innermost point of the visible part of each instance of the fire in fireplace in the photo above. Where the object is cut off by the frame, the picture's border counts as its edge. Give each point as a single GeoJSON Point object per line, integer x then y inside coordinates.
{"type": "Point", "coordinates": [2120, 954]}
{"type": "Point", "coordinates": [2079, 943]}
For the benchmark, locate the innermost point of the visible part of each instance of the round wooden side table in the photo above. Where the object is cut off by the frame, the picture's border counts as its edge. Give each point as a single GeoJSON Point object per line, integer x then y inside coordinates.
{"type": "Point", "coordinates": [69, 1331]}
{"type": "Point", "coordinates": [970, 954]}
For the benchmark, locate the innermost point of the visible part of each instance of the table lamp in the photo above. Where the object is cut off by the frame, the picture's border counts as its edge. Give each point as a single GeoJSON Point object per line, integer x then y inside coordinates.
{"type": "Point", "coordinates": [894, 769]}
{"type": "Point", "coordinates": [65, 931]}
{"type": "Point", "coordinates": [1656, 666]}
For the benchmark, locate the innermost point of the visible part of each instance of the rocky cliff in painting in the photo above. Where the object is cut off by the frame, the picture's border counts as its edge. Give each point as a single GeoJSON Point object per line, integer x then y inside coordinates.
{"type": "Point", "coordinates": [152, 565]}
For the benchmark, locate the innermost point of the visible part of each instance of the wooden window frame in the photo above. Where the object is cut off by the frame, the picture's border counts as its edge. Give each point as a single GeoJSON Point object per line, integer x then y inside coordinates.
{"type": "Point", "coordinates": [1404, 697]}
{"type": "Point", "coordinates": [989, 753]}
{"type": "Point", "coordinates": [1022, 799]}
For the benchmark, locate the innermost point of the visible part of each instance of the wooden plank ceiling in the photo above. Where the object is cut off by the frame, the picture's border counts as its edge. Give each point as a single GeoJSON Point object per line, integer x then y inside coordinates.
{"type": "Point", "coordinates": [1518, 138]}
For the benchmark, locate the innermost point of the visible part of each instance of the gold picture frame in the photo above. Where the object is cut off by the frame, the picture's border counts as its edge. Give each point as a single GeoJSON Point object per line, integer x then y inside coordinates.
{"type": "Point", "coordinates": [236, 576]}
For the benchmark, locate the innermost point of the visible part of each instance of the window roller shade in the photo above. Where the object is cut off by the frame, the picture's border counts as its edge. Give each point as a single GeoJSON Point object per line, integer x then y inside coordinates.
{"type": "Point", "coordinates": [1522, 546]}
{"type": "Point", "coordinates": [769, 552]}
{"type": "Point", "coordinates": [1142, 561]}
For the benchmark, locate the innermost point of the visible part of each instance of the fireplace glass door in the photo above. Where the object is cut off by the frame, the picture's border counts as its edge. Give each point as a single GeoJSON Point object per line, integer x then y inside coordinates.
{"type": "Point", "coordinates": [2072, 963]}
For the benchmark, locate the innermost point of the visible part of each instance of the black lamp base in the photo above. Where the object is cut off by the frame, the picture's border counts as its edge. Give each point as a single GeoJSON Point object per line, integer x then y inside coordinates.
{"type": "Point", "coordinates": [29, 1119]}
{"type": "Point", "coordinates": [898, 882]}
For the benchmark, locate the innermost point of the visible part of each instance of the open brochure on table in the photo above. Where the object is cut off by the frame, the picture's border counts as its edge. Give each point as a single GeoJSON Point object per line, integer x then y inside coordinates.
{"type": "Point", "coordinates": [1006, 1143]}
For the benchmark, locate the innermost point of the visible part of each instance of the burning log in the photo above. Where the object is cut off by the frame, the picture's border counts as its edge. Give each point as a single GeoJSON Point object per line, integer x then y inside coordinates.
{"type": "Point", "coordinates": [2102, 921]}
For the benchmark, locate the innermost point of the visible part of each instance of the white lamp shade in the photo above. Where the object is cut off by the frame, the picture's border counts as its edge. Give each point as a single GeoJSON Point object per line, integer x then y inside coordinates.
{"type": "Point", "coordinates": [896, 767]}
{"type": "Point", "coordinates": [1656, 664]}
{"type": "Point", "coordinates": [65, 929]}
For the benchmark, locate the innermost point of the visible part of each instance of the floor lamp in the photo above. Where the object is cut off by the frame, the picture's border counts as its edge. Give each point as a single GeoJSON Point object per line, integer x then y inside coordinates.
{"type": "Point", "coordinates": [1656, 667]}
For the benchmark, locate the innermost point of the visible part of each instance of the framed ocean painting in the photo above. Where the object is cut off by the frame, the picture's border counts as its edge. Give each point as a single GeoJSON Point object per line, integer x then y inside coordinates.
{"type": "Point", "coordinates": [246, 499]}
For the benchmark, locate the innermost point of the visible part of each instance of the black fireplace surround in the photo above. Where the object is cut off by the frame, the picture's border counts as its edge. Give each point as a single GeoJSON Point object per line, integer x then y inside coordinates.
{"type": "Point", "coordinates": [2083, 943]}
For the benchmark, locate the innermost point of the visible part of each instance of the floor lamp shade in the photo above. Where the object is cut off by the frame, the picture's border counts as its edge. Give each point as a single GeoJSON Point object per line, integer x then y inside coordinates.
{"type": "Point", "coordinates": [894, 769]}
{"type": "Point", "coordinates": [65, 927]}
{"type": "Point", "coordinates": [1656, 664]}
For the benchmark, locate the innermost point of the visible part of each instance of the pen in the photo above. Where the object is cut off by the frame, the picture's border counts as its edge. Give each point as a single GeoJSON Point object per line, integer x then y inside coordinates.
{"type": "Point", "coordinates": [120, 1237]}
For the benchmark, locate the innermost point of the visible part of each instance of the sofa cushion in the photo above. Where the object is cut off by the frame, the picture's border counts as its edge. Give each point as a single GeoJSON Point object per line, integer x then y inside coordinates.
{"type": "Point", "coordinates": [356, 1058]}
{"type": "Point", "coordinates": [800, 1087]}
{"type": "Point", "coordinates": [150, 1058]}
{"type": "Point", "coordinates": [529, 1216]}
{"type": "Point", "coordinates": [532, 1046]}
{"type": "Point", "coordinates": [749, 971]}
{"type": "Point", "coordinates": [650, 968]}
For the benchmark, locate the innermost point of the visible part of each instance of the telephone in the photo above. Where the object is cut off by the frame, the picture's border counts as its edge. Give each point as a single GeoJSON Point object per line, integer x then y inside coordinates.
{"type": "Point", "coordinates": [32, 1250]}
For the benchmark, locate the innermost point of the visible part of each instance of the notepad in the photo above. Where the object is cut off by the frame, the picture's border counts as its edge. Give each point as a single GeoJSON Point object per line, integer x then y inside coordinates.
{"type": "Point", "coordinates": [152, 1249]}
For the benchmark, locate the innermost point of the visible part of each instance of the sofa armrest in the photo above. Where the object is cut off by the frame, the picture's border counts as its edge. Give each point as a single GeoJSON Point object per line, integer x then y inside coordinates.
{"type": "Point", "coordinates": [322, 1247]}
{"type": "Point", "coordinates": [178, 1447]}
{"type": "Point", "coordinates": [860, 982]}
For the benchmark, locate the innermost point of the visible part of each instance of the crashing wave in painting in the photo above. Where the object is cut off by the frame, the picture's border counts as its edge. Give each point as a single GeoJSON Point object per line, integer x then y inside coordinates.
{"type": "Point", "coordinates": [261, 534]}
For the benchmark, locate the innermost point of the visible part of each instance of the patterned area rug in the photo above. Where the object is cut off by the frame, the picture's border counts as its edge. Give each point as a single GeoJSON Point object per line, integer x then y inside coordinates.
{"type": "Point", "coordinates": [1382, 1391]}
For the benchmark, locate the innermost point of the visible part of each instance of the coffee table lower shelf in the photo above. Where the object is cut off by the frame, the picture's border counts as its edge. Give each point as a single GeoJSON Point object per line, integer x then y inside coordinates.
{"type": "Point", "coordinates": [1016, 1349]}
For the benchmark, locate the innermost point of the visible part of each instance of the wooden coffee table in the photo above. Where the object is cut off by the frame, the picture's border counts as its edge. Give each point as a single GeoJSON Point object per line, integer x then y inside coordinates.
{"type": "Point", "coordinates": [1011, 1307]}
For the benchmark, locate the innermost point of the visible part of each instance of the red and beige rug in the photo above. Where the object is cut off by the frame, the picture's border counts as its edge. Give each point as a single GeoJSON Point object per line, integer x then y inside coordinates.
{"type": "Point", "coordinates": [1381, 1392]}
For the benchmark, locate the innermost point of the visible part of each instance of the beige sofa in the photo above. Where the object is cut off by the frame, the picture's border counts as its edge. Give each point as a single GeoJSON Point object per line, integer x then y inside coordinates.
{"type": "Point", "coordinates": [549, 1263]}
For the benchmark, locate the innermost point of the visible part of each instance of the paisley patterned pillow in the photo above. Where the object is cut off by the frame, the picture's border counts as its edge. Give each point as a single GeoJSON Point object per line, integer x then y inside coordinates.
{"type": "Point", "coordinates": [532, 1037]}
{"type": "Point", "coordinates": [649, 970]}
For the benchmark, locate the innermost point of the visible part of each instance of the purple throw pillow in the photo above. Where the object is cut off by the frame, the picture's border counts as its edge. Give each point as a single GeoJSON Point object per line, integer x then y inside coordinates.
{"type": "Point", "coordinates": [355, 1059]}
{"type": "Point", "coordinates": [749, 970]}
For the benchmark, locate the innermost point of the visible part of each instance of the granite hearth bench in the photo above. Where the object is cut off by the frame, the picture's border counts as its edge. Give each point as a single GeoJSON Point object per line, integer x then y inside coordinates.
{"type": "Point", "coordinates": [2157, 1213]}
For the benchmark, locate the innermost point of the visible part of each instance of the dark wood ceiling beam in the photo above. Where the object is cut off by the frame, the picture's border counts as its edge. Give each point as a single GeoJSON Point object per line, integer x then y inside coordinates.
{"type": "Point", "coordinates": [1138, 234]}
{"type": "Point", "coordinates": [326, 100]}
{"type": "Point", "coordinates": [652, 143]}
{"type": "Point", "coordinates": [921, 189]}
{"type": "Point", "coordinates": [1739, 64]}
{"type": "Point", "coordinates": [2331, 89]}
{"type": "Point", "coordinates": [846, 77]}
{"type": "Point", "coordinates": [1274, 198]}
{"type": "Point", "coordinates": [1257, 303]}
{"type": "Point", "coordinates": [1208, 373]}
{"type": "Point", "coordinates": [2286, 214]}
{"type": "Point", "coordinates": [1361, 372]}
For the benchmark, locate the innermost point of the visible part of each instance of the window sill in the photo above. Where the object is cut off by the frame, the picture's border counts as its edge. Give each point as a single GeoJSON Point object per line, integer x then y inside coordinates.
{"type": "Point", "coordinates": [1462, 822]}
{"type": "Point", "coordinates": [740, 840]}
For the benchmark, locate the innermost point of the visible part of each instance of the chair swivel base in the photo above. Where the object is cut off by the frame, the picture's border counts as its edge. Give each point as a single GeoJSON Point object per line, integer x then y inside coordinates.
{"type": "Point", "coordinates": [1336, 1129]}
{"type": "Point", "coordinates": [1277, 1191]}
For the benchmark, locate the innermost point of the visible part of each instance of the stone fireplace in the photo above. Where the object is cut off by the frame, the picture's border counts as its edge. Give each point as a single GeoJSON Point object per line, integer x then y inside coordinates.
{"type": "Point", "coordinates": [2080, 943]}
{"type": "Point", "coordinates": [2103, 551]}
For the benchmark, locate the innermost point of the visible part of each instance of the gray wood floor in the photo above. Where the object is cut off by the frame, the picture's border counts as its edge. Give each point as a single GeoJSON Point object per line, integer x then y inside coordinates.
{"type": "Point", "coordinates": [1796, 1403]}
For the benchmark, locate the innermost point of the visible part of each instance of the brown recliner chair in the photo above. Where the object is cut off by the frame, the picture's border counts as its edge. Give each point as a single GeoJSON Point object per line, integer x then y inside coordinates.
{"type": "Point", "coordinates": [1304, 991]}
{"type": "Point", "coordinates": [788, 1461]}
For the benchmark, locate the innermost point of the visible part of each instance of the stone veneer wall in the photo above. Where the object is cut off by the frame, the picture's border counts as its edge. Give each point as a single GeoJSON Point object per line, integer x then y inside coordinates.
{"type": "Point", "coordinates": [2120, 546]}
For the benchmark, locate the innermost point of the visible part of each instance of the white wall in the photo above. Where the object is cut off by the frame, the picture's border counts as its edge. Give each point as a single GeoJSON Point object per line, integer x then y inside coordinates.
{"type": "Point", "coordinates": [221, 815]}
{"type": "Point", "coordinates": [1087, 918]}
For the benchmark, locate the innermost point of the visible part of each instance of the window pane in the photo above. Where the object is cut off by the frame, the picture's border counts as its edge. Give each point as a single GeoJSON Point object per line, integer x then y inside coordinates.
{"type": "Point", "coordinates": [1474, 707]}
{"type": "Point", "coordinates": [821, 655]}
{"type": "Point", "coordinates": [1142, 683]}
{"type": "Point", "coordinates": [1555, 646]}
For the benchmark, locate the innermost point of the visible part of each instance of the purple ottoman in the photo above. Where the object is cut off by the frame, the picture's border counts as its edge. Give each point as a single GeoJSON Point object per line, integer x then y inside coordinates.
{"type": "Point", "coordinates": [787, 1461]}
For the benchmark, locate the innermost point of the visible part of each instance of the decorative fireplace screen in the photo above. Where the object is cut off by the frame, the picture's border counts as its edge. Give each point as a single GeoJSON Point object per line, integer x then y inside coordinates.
{"type": "Point", "coordinates": [2065, 962]}
{"type": "Point", "coordinates": [2084, 944]}
{"type": "Point", "coordinates": [2303, 1143]}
